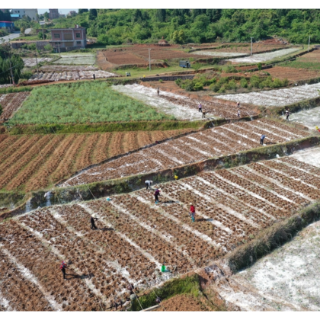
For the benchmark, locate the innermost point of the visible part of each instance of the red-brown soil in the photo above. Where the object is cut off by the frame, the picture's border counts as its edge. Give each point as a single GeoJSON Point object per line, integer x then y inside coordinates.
{"type": "Point", "coordinates": [10, 103]}
{"type": "Point", "coordinates": [135, 236]}
{"type": "Point", "coordinates": [313, 56]}
{"type": "Point", "coordinates": [292, 74]}
{"type": "Point", "coordinates": [37, 161]}
{"type": "Point", "coordinates": [196, 147]}
{"type": "Point", "coordinates": [182, 302]}
{"type": "Point", "coordinates": [139, 55]}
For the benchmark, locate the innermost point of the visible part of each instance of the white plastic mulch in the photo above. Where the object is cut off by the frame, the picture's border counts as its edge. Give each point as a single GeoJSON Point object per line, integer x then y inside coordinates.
{"type": "Point", "coordinates": [310, 118]}
{"type": "Point", "coordinates": [277, 98]}
{"type": "Point", "coordinates": [263, 57]}
{"type": "Point", "coordinates": [31, 62]}
{"type": "Point", "coordinates": [149, 96]}
{"type": "Point", "coordinates": [219, 54]}
{"type": "Point", "coordinates": [71, 75]}
{"type": "Point", "coordinates": [291, 273]}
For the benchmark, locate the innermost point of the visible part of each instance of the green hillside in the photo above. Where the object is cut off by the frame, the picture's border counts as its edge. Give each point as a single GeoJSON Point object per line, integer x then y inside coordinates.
{"type": "Point", "coordinates": [115, 26]}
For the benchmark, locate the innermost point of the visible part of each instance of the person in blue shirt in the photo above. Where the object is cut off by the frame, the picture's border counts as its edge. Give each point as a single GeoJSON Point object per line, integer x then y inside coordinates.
{"type": "Point", "coordinates": [262, 139]}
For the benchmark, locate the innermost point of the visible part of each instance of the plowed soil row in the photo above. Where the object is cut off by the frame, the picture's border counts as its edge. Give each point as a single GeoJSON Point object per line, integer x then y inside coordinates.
{"type": "Point", "coordinates": [32, 162]}
{"type": "Point", "coordinates": [10, 103]}
{"type": "Point", "coordinates": [292, 74]}
{"type": "Point", "coordinates": [222, 140]}
{"type": "Point", "coordinates": [135, 236]}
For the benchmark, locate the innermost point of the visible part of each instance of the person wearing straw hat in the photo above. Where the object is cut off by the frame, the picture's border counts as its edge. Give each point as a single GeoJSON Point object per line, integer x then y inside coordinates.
{"type": "Point", "coordinates": [93, 226]}
{"type": "Point", "coordinates": [192, 212]}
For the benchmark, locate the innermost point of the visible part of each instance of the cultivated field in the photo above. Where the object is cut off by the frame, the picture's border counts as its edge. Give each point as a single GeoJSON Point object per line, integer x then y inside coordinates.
{"type": "Point", "coordinates": [77, 58]}
{"type": "Point", "coordinates": [80, 103]}
{"type": "Point", "coordinates": [218, 53]}
{"type": "Point", "coordinates": [183, 107]}
{"type": "Point", "coordinates": [263, 57]}
{"type": "Point", "coordinates": [223, 140]}
{"type": "Point", "coordinates": [31, 62]}
{"type": "Point", "coordinates": [290, 273]}
{"type": "Point", "coordinates": [310, 118]}
{"type": "Point", "coordinates": [309, 61]}
{"type": "Point", "coordinates": [32, 162]}
{"type": "Point", "coordinates": [62, 68]}
{"type": "Point", "coordinates": [277, 98]}
{"type": "Point", "coordinates": [71, 75]}
{"type": "Point", "coordinates": [292, 74]}
{"type": "Point", "coordinates": [10, 103]}
{"type": "Point", "coordinates": [135, 236]}
{"type": "Point", "coordinates": [139, 55]}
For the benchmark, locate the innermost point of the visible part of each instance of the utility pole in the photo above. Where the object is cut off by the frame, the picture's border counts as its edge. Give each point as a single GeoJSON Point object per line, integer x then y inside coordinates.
{"type": "Point", "coordinates": [149, 60]}
{"type": "Point", "coordinates": [37, 64]}
{"type": "Point", "coordinates": [251, 45]}
{"type": "Point", "coordinates": [12, 78]}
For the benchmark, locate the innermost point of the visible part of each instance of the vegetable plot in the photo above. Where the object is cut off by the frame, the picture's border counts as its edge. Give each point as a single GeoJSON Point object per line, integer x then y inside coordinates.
{"type": "Point", "coordinates": [135, 236]}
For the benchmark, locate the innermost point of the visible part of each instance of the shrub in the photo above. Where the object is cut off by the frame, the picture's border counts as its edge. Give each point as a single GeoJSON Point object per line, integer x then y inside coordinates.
{"type": "Point", "coordinates": [178, 82]}
{"type": "Point", "coordinates": [259, 66]}
{"type": "Point", "coordinates": [160, 80]}
{"type": "Point", "coordinates": [232, 85]}
{"type": "Point", "coordinates": [277, 83]}
{"type": "Point", "coordinates": [222, 89]}
{"type": "Point", "coordinates": [254, 80]}
{"type": "Point", "coordinates": [198, 86]}
{"type": "Point", "coordinates": [243, 83]}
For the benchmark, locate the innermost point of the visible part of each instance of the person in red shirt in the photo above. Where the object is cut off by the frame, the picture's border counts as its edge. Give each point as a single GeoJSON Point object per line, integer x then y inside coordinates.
{"type": "Point", "coordinates": [192, 212]}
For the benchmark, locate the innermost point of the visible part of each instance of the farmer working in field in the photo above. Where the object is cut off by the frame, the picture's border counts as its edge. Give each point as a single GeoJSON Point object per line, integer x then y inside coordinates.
{"type": "Point", "coordinates": [262, 139]}
{"type": "Point", "coordinates": [200, 107]}
{"type": "Point", "coordinates": [287, 114]}
{"type": "Point", "coordinates": [192, 212]}
{"type": "Point", "coordinates": [158, 91]}
{"type": "Point", "coordinates": [93, 226]}
{"type": "Point", "coordinates": [239, 113]}
{"type": "Point", "coordinates": [63, 269]}
{"type": "Point", "coordinates": [203, 114]}
{"type": "Point", "coordinates": [156, 195]}
{"type": "Point", "coordinates": [148, 184]}
{"type": "Point", "coordinates": [94, 77]}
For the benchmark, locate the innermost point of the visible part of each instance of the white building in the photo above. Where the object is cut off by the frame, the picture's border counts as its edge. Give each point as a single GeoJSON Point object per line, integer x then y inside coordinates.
{"type": "Point", "coordinates": [31, 13]}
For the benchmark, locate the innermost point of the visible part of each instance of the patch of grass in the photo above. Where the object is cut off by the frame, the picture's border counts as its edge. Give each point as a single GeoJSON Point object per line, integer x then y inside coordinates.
{"type": "Point", "coordinates": [169, 289]}
{"type": "Point", "coordinates": [87, 102]}
{"type": "Point", "coordinates": [301, 65]}
{"type": "Point", "coordinates": [105, 127]}
{"type": "Point", "coordinates": [15, 89]}
{"type": "Point", "coordinates": [272, 238]}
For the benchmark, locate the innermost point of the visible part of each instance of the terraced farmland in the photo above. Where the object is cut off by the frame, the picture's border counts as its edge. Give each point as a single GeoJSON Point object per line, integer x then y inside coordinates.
{"type": "Point", "coordinates": [31, 162]}
{"type": "Point", "coordinates": [277, 98]}
{"type": "Point", "coordinates": [135, 236]}
{"type": "Point", "coordinates": [263, 57]}
{"type": "Point", "coordinates": [184, 107]}
{"type": "Point", "coordinates": [223, 140]}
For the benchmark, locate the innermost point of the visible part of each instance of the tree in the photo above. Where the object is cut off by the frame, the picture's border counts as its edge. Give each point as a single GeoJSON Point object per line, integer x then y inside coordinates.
{"type": "Point", "coordinates": [83, 10]}
{"type": "Point", "coordinates": [161, 15]}
{"type": "Point", "coordinates": [93, 13]}
{"type": "Point", "coordinates": [46, 16]}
